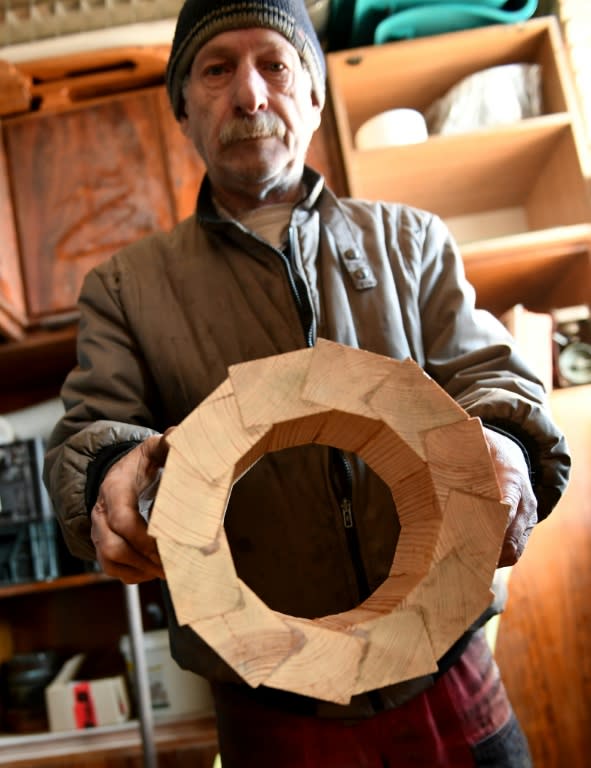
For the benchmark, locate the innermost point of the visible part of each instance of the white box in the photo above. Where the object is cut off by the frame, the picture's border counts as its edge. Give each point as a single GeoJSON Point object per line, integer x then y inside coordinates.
{"type": "Point", "coordinates": [173, 691]}
{"type": "Point", "coordinates": [74, 704]}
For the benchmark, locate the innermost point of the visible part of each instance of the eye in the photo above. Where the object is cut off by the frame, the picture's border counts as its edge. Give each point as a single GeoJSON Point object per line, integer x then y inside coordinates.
{"type": "Point", "coordinates": [276, 66]}
{"type": "Point", "coordinates": [215, 70]}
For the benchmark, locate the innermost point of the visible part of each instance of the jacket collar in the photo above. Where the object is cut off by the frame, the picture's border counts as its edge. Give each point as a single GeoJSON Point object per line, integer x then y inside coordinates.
{"type": "Point", "coordinates": [207, 214]}
{"type": "Point", "coordinates": [332, 216]}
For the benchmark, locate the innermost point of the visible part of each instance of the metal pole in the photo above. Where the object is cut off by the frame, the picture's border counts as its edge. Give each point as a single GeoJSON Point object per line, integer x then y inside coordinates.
{"type": "Point", "coordinates": [142, 682]}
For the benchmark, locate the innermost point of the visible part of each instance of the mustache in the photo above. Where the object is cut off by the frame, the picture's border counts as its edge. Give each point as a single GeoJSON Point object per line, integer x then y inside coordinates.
{"type": "Point", "coordinates": [262, 125]}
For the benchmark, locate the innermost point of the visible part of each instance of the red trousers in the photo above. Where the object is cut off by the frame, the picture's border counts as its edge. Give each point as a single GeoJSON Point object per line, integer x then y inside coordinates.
{"type": "Point", "coordinates": [464, 720]}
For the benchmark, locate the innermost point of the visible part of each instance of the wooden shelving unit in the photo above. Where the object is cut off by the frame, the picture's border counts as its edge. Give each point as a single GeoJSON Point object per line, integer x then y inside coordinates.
{"type": "Point", "coordinates": [526, 176]}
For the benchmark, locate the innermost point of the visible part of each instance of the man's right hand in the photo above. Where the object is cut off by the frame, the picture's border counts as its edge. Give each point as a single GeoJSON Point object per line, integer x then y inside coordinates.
{"type": "Point", "coordinates": [124, 549]}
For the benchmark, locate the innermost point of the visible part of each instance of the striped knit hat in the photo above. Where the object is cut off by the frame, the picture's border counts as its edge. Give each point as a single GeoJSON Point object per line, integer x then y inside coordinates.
{"type": "Point", "coordinates": [200, 20]}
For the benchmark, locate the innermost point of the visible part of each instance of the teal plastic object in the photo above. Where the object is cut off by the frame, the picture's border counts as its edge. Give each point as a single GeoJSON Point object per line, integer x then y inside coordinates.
{"type": "Point", "coordinates": [368, 14]}
{"type": "Point", "coordinates": [381, 21]}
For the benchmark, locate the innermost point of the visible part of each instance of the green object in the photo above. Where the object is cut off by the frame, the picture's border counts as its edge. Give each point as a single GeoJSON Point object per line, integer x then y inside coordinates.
{"type": "Point", "coordinates": [340, 23]}
{"type": "Point", "coordinates": [380, 21]}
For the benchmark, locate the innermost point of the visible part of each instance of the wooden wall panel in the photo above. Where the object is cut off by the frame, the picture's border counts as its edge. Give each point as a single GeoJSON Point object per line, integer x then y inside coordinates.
{"type": "Point", "coordinates": [324, 154]}
{"type": "Point", "coordinates": [544, 641]}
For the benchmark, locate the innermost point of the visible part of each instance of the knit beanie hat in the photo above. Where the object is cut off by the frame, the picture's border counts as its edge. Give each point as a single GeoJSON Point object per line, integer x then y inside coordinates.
{"type": "Point", "coordinates": [200, 20]}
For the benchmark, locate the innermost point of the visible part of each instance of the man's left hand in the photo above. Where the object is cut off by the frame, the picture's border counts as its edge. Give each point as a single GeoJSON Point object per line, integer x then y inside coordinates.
{"type": "Point", "coordinates": [516, 489]}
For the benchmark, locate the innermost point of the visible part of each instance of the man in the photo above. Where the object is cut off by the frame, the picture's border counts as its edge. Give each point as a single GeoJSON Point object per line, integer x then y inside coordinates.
{"type": "Point", "coordinates": [270, 261]}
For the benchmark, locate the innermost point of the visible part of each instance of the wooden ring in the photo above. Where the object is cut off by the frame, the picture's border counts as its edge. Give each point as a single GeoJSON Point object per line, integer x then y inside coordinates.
{"type": "Point", "coordinates": [431, 454]}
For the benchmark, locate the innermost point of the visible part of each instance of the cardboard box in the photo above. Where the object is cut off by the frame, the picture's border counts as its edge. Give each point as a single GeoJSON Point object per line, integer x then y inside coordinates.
{"type": "Point", "coordinates": [81, 703]}
{"type": "Point", "coordinates": [173, 691]}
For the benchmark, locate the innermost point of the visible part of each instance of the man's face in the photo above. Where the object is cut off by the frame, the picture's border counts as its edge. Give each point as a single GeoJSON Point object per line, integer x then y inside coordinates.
{"type": "Point", "coordinates": [251, 113]}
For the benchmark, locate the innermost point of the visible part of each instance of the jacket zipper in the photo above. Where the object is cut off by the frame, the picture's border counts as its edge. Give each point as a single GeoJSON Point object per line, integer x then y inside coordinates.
{"type": "Point", "coordinates": [342, 467]}
{"type": "Point", "coordinates": [345, 473]}
{"type": "Point", "coordinates": [298, 289]}
{"type": "Point", "coordinates": [344, 484]}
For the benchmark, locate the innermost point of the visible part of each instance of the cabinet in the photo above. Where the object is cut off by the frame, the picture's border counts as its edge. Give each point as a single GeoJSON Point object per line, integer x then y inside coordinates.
{"type": "Point", "coordinates": [543, 645]}
{"type": "Point", "coordinates": [517, 198]}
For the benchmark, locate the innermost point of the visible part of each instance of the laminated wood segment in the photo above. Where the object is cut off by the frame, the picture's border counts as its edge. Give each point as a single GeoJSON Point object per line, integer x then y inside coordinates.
{"type": "Point", "coordinates": [423, 445]}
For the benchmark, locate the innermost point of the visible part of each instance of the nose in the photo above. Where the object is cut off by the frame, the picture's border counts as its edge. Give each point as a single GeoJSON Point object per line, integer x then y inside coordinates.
{"type": "Point", "coordinates": [250, 92]}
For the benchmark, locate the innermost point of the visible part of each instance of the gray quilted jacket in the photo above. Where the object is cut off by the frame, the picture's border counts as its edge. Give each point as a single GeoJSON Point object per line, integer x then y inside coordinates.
{"type": "Point", "coordinates": [163, 319]}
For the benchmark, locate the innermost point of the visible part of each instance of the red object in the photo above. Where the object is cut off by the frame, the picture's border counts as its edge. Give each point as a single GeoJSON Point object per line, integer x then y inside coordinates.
{"type": "Point", "coordinates": [84, 712]}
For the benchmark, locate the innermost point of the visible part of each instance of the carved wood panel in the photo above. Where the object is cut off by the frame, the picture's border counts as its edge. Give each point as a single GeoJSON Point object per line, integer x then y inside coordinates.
{"type": "Point", "coordinates": [86, 181]}
{"type": "Point", "coordinates": [12, 300]}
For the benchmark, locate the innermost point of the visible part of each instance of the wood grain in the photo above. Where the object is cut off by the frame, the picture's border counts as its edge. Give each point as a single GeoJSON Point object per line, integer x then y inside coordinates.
{"type": "Point", "coordinates": [431, 454]}
{"type": "Point", "coordinates": [60, 81]}
{"type": "Point", "coordinates": [544, 642]}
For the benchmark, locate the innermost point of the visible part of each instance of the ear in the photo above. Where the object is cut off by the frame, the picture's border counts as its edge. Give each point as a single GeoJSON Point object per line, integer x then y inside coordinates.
{"type": "Point", "coordinates": [184, 124]}
{"type": "Point", "coordinates": [316, 111]}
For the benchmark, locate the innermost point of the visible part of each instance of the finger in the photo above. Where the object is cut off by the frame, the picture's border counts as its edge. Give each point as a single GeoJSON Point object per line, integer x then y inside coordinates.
{"type": "Point", "coordinates": [130, 575]}
{"type": "Point", "coordinates": [114, 551]}
{"type": "Point", "coordinates": [156, 448]}
{"type": "Point", "coordinates": [516, 538]}
{"type": "Point", "coordinates": [128, 525]}
{"type": "Point", "coordinates": [119, 560]}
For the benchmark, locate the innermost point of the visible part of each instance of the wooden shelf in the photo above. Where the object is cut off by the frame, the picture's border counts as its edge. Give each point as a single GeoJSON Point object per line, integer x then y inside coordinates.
{"type": "Point", "coordinates": [542, 270]}
{"type": "Point", "coordinates": [532, 165]}
{"type": "Point", "coordinates": [433, 65]}
{"type": "Point", "coordinates": [54, 585]}
{"type": "Point", "coordinates": [122, 741]}
{"type": "Point", "coordinates": [34, 368]}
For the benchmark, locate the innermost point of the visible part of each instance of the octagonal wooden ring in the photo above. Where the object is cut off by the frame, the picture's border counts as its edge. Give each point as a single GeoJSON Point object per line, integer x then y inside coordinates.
{"type": "Point", "coordinates": [435, 460]}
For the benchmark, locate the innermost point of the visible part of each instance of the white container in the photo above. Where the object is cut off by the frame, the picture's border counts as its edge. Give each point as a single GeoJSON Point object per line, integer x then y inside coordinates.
{"type": "Point", "coordinates": [173, 691]}
{"type": "Point", "coordinates": [395, 126]}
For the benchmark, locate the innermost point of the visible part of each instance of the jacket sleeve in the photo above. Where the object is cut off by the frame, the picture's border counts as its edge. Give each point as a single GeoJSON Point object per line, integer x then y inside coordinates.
{"type": "Point", "coordinates": [107, 399]}
{"type": "Point", "coordinates": [474, 358]}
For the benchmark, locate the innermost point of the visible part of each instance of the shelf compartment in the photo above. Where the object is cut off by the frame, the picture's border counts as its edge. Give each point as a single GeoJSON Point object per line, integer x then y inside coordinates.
{"type": "Point", "coordinates": [487, 183]}
{"type": "Point", "coordinates": [543, 271]}
{"type": "Point", "coordinates": [414, 73]}
{"type": "Point", "coordinates": [532, 166]}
